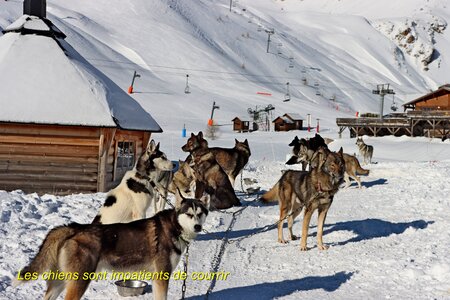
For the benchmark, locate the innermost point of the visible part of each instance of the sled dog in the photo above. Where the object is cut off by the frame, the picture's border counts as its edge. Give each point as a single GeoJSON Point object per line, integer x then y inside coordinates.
{"type": "Point", "coordinates": [209, 175]}
{"type": "Point", "coordinates": [365, 151]}
{"type": "Point", "coordinates": [232, 160]}
{"type": "Point", "coordinates": [149, 245]}
{"type": "Point", "coordinates": [352, 168]}
{"type": "Point", "coordinates": [304, 149]}
{"type": "Point", "coordinates": [184, 178]}
{"type": "Point", "coordinates": [309, 190]}
{"type": "Point", "coordinates": [130, 200]}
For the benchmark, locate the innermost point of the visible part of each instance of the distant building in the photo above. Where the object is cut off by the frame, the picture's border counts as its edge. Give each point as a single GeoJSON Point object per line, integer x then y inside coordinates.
{"type": "Point", "coordinates": [428, 115]}
{"type": "Point", "coordinates": [288, 121]}
{"type": "Point", "coordinates": [438, 100]}
{"type": "Point", "coordinates": [65, 127]}
{"type": "Point", "coordinates": [243, 124]}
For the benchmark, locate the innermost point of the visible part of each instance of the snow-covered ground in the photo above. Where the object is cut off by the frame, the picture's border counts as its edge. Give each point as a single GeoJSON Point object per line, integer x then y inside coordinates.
{"type": "Point", "coordinates": [387, 240]}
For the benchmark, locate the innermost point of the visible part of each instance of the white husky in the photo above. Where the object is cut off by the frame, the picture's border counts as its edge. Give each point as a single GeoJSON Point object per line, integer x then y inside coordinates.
{"type": "Point", "coordinates": [130, 200]}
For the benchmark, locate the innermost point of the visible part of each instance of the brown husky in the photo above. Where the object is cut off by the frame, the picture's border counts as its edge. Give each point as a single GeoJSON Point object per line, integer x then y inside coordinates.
{"type": "Point", "coordinates": [210, 177]}
{"type": "Point", "coordinates": [310, 190]}
{"type": "Point", "coordinates": [352, 167]}
{"type": "Point", "coordinates": [232, 160]}
{"type": "Point", "coordinates": [184, 178]}
{"type": "Point", "coordinates": [152, 246]}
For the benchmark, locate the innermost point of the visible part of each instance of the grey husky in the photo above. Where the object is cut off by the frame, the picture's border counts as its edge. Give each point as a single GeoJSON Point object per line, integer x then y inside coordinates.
{"type": "Point", "coordinates": [153, 246]}
{"type": "Point", "coordinates": [365, 151]}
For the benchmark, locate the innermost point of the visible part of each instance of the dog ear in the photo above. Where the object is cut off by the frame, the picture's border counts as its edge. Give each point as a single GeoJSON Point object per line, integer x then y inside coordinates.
{"type": "Point", "coordinates": [192, 134]}
{"type": "Point", "coordinates": [157, 147]}
{"type": "Point", "coordinates": [341, 152]}
{"type": "Point", "coordinates": [236, 141]}
{"type": "Point", "coordinates": [206, 200]}
{"type": "Point", "coordinates": [151, 146]}
{"type": "Point", "coordinates": [246, 142]}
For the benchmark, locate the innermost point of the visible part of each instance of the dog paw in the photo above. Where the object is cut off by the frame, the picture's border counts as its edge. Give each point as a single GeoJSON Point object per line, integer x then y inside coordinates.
{"type": "Point", "coordinates": [303, 248]}
{"type": "Point", "coordinates": [323, 247]}
{"type": "Point", "coordinates": [294, 237]}
{"type": "Point", "coordinates": [282, 241]}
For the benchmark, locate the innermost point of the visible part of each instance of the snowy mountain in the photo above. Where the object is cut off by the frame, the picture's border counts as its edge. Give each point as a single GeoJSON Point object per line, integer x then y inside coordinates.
{"type": "Point", "coordinates": [388, 240]}
{"type": "Point", "coordinates": [332, 53]}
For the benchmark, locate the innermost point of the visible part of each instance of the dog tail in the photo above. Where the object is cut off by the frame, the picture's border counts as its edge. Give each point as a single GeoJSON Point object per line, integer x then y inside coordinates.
{"type": "Point", "coordinates": [360, 170]}
{"type": "Point", "coordinates": [47, 257]}
{"type": "Point", "coordinates": [271, 195]}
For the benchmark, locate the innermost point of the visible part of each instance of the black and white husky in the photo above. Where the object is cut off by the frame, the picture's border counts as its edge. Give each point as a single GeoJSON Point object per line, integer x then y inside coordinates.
{"type": "Point", "coordinates": [130, 200]}
{"type": "Point", "coordinates": [150, 245]}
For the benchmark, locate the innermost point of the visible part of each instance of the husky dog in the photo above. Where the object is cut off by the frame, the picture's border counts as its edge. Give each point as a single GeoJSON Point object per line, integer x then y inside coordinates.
{"type": "Point", "coordinates": [365, 151]}
{"type": "Point", "coordinates": [149, 245]}
{"type": "Point", "coordinates": [209, 175]}
{"type": "Point", "coordinates": [352, 168]}
{"type": "Point", "coordinates": [184, 178]}
{"type": "Point", "coordinates": [309, 190]}
{"type": "Point", "coordinates": [232, 160]}
{"type": "Point", "coordinates": [130, 200]}
{"type": "Point", "coordinates": [304, 149]}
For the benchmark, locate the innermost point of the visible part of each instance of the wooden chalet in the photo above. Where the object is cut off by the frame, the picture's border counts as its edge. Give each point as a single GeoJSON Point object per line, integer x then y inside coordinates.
{"type": "Point", "coordinates": [288, 121]}
{"type": "Point", "coordinates": [242, 124]}
{"type": "Point", "coordinates": [438, 100]}
{"type": "Point", "coordinates": [64, 126]}
{"type": "Point", "coordinates": [428, 115]}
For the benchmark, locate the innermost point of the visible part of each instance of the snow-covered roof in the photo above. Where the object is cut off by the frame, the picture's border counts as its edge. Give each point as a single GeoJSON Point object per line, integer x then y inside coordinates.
{"type": "Point", "coordinates": [294, 116]}
{"type": "Point", "coordinates": [44, 80]}
{"type": "Point", "coordinates": [244, 119]}
{"type": "Point", "coordinates": [285, 120]}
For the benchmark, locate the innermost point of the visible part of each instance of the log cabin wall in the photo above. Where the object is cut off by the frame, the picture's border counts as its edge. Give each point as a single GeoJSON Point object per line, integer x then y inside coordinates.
{"type": "Point", "coordinates": [49, 159]}
{"type": "Point", "coordinates": [62, 159]}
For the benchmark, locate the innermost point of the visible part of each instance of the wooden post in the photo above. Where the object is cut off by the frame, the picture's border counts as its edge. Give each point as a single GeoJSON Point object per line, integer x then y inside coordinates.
{"type": "Point", "coordinates": [105, 142]}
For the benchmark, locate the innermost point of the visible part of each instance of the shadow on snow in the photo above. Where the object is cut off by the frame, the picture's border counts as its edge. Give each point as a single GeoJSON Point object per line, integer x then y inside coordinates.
{"type": "Point", "coordinates": [270, 290]}
{"type": "Point", "coordinates": [364, 229]}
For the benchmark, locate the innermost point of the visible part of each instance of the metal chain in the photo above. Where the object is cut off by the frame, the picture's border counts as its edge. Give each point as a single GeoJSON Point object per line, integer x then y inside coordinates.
{"type": "Point", "coordinates": [264, 229]}
{"type": "Point", "coordinates": [217, 259]}
{"type": "Point", "coordinates": [186, 261]}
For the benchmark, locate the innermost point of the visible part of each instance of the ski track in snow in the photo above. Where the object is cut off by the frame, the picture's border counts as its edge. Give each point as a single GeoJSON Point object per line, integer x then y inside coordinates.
{"type": "Point", "coordinates": [388, 240]}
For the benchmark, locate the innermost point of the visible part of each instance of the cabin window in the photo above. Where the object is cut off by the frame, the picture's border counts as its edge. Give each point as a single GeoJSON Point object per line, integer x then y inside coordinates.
{"type": "Point", "coordinates": [125, 158]}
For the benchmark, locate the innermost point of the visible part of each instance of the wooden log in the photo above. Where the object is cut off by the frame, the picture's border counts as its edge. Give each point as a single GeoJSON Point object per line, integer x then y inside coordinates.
{"type": "Point", "coordinates": [49, 140]}
{"type": "Point", "coordinates": [49, 176]}
{"type": "Point", "coordinates": [48, 159]}
{"type": "Point", "coordinates": [49, 130]}
{"type": "Point", "coordinates": [70, 169]}
{"type": "Point", "coordinates": [45, 150]}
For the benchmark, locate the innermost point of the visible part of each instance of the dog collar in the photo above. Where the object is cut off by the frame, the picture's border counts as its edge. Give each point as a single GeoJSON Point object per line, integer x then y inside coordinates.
{"type": "Point", "coordinates": [186, 242]}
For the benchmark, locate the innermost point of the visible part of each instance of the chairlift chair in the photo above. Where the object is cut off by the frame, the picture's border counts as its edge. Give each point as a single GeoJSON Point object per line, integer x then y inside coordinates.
{"type": "Point", "coordinates": [287, 96]}
{"type": "Point", "coordinates": [187, 89]}
{"type": "Point", "coordinates": [394, 106]}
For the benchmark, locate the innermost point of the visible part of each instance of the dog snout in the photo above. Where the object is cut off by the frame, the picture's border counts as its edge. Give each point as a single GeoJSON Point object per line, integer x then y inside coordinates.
{"type": "Point", "coordinates": [197, 228]}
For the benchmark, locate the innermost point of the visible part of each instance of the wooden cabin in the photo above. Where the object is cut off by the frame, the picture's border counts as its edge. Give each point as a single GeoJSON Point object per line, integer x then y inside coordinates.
{"type": "Point", "coordinates": [438, 100]}
{"type": "Point", "coordinates": [288, 121]}
{"type": "Point", "coordinates": [242, 124]}
{"type": "Point", "coordinates": [65, 127]}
